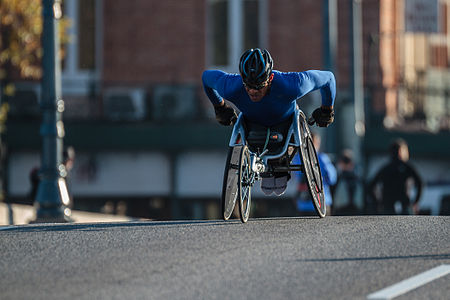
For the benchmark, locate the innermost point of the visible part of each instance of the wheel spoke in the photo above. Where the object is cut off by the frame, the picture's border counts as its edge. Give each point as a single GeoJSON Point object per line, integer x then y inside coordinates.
{"type": "Point", "coordinates": [312, 172]}
{"type": "Point", "coordinates": [245, 184]}
{"type": "Point", "coordinates": [245, 193]}
{"type": "Point", "coordinates": [230, 182]}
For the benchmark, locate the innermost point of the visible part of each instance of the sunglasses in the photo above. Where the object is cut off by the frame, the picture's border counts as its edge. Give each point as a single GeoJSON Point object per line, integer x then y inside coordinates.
{"type": "Point", "coordinates": [256, 87]}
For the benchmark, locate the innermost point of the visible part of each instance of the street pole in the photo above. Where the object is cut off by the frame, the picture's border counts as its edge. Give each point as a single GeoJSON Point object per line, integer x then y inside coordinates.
{"type": "Point", "coordinates": [357, 67]}
{"type": "Point", "coordinates": [52, 195]}
{"type": "Point", "coordinates": [330, 26]}
{"type": "Point", "coordinates": [330, 34]}
{"type": "Point", "coordinates": [358, 88]}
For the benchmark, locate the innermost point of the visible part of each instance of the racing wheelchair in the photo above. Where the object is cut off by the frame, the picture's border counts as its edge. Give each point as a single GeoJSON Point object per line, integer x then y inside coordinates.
{"type": "Point", "coordinates": [256, 151]}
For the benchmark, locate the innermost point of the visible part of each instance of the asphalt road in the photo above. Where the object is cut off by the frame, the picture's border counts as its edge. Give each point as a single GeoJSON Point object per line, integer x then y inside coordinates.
{"type": "Point", "coordinates": [283, 258]}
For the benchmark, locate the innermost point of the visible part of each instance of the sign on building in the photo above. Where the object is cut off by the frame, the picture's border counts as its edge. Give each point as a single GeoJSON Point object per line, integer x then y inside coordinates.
{"type": "Point", "coordinates": [421, 16]}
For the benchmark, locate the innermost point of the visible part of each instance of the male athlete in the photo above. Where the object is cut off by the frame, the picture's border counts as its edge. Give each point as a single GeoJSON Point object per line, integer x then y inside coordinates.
{"type": "Point", "coordinates": [267, 97]}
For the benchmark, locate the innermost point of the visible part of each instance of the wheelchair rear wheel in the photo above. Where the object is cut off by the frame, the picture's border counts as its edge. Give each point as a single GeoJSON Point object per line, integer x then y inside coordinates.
{"type": "Point", "coordinates": [312, 170]}
{"type": "Point", "coordinates": [230, 182]}
{"type": "Point", "coordinates": [246, 180]}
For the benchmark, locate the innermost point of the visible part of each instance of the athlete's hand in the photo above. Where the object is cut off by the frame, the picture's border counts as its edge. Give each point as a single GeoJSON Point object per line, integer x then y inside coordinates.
{"type": "Point", "coordinates": [323, 116]}
{"type": "Point", "coordinates": [225, 114]}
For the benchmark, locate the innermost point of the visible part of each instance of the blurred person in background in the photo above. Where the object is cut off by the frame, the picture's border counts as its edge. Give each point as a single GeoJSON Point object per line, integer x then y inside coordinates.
{"type": "Point", "coordinates": [396, 180]}
{"type": "Point", "coordinates": [267, 97]}
{"type": "Point", "coordinates": [68, 162]}
{"type": "Point", "coordinates": [348, 186]}
{"type": "Point", "coordinates": [303, 200]}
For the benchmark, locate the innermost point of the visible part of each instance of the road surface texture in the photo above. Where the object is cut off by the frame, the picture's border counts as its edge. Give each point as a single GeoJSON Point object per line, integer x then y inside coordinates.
{"type": "Point", "coordinates": [280, 258]}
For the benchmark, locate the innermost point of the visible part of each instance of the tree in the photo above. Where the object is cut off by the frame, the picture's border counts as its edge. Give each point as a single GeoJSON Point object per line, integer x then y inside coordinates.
{"type": "Point", "coordinates": [20, 43]}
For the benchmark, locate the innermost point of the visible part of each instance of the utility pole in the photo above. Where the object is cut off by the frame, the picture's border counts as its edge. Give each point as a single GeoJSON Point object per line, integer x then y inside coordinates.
{"type": "Point", "coordinates": [330, 26]}
{"type": "Point", "coordinates": [52, 195]}
{"type": "Point", "coordinates": [330, 34]}
{"type": "Point", "coordinates": [357, 88]}
{"type": "Point", "coordinates": [357, 67]}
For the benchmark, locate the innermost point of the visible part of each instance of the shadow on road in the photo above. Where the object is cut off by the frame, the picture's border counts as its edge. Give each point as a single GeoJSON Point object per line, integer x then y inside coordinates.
{"type": "Point", "coordinates": [101, 226]}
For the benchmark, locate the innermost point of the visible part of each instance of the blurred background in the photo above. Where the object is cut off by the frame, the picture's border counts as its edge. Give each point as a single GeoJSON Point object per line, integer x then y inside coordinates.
{"type": "Point", "coordinates": [143, 134]}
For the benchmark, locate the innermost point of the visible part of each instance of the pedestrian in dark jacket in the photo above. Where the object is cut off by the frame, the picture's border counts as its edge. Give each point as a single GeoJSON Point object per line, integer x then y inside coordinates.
{"type": "Point", "coordinates": [396, 179]}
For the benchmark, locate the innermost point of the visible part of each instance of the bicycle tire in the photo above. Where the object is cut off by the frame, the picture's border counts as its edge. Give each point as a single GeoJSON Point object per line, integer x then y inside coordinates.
{"type": "Point", "coordinates": [230, 182]}
{"type": "Point", "coordinates": [245, 184]}
{"type": "Point", "coordinates": [313, 173]}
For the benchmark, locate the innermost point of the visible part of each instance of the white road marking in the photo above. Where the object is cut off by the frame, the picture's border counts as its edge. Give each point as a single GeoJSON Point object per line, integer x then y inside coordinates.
{"type": "Point", "coordinates": [410, 283]}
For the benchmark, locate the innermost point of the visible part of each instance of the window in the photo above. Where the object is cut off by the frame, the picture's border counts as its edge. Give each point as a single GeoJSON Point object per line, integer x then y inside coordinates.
{"type": "Point", "coordinates": [424, 87]}
{"type": "Point", "coordinates": [415, 63]}
{"type": "Point", "coordinates": [81, 63]}
{"type": "Point", "coordinates": [86, 33]}
{"type": "Point", "coordinates": [234, 25]}
{"type": "Point", "coordinates": [251, 24]}
{"type": "Point", "coordinates": [219, 32]}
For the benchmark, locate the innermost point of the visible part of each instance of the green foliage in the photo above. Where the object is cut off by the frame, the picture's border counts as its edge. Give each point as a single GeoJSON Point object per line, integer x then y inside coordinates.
{"type": "Point", "coordinates": [20, 40]}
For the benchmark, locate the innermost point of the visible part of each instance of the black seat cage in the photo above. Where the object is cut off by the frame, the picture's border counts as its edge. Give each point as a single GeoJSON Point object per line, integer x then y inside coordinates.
{"type": "Point", "coordinates": [293, 138]}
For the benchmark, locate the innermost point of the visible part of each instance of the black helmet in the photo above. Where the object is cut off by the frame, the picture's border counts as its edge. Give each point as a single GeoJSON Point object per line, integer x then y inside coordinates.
{"type": "Point", "coordinates": [255, 67]}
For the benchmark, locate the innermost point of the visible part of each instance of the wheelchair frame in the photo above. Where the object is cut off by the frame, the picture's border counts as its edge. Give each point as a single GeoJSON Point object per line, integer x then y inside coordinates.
{"type": "Point", "coordinates": [251, 165]}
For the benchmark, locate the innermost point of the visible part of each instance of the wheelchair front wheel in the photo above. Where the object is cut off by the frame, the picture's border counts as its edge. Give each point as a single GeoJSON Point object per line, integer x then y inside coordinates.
{"type": "Point", "coordinates": [230, 182]}
{"type": "Point", "coordinates": [246, 180]}
{"type": "Point", "coordinates": [312, 170]}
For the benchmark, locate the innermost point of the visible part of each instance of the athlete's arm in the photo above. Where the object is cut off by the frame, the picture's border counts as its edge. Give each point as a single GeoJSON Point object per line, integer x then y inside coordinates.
{"type": "Point", "coordinates": [324, 80]}
{"type": "Point", "coordinates": [213, 84]}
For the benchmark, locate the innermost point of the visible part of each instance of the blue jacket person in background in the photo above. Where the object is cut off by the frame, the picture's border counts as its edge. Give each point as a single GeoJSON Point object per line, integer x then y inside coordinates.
{"type": "Point", "coordinates": [266, 96]}
{"type": "Point", "coordinates": [303, 200]}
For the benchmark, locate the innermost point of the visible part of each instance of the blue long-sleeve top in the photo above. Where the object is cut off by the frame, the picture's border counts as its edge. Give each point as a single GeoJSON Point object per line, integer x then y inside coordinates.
{"type": "Point", "coordinates": [279, 104]}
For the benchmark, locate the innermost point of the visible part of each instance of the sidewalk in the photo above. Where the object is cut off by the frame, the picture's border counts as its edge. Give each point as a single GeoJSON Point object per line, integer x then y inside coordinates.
{"type": "Point", "coordinates": [23, 214]}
